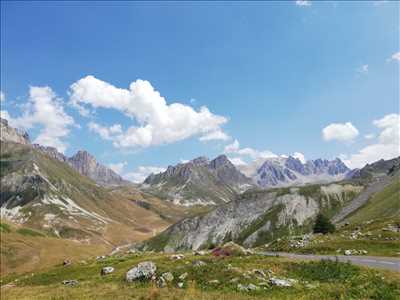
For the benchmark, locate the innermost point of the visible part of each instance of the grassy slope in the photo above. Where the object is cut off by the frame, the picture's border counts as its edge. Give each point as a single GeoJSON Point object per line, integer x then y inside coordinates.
{"type": "Point", "coordinates": [129, 221]}
{"type": "Point", "coordinates": [330, 280]}
{"type": "Point", "coordinates": [24, 250]}
{"type": "Point", "coordinates": [381, 211]}
{"type": "Point", "coordinates": [384, 204]}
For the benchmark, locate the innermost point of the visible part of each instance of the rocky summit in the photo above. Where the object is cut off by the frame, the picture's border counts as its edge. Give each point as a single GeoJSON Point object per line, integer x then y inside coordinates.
{"type": "Point", "coordinates": [199, 182]}
{"type": "Point", "coordinates": [10, 134]}
{"type": "Point", "coordinates": [291, 171]}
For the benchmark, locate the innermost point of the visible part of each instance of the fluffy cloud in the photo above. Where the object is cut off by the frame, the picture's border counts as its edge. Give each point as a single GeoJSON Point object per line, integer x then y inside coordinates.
{"type": "Point", "coordinates": [340, 131]}
{"type": "Point", "coordinates": [388, 145]}
{"type": "Point", "coordinates": [2, 96]}
{"type": "Point", "coordinates": [395, 56]}
{"type": "Point", "coordinates": [118, 167]}
{"type": "Point", "coordinates": [45, 109]}
{"type": "Point", "coordinates": [237, 161]}
{"type": "Point", "coordinates": [157, 122]}
{"type": "Point", "coordinates": [369, 136]}
{"type": "Point", "coordinates": [234, 148]}
{"type": "Point", "coordinates": [214, 136]}
{"type": "Point", "coordinates": [299, 156]}
{"type": "Point", "coordinates": [140, 174]}
{"type": "Point", "coordinates": [303, 3]}
{"type": "Point", "coordinates": [363, 69]}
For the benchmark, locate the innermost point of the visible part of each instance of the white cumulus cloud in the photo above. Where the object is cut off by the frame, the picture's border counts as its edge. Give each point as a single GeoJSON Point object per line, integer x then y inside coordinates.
{"type": "Point", "coordinates": [388, 145]}
{"type": "Point", "coordinates": [340, 132]}
{"type": "Point", "coordinates": [234, 148]}
{"type": "Point", "coordinates": [46, 110]}
{"type": "Point", "coordinates": [395, 56]}
{"type": "Point", "coordinates": [118, 167]}
{"type": "Point", "coordinates": [140, 174]}
{"type": "Point", "coordinates": [215, 136]}
{"type": "Point", "coordinates": [303, 2]}
{"type": "Point", "coordinates": [156, 121]}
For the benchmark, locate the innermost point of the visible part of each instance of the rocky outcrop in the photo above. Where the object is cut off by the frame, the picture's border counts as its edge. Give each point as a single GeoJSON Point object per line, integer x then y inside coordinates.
{"type": "Point", "coordinates": [10, 134]}
{"type": "Point", "coordinates": [87, 165]}
{"type": "Point", "coordinates": [144, 270]}
{"type": "Point", "coordinates": [254, 218]}
{"type": "Point", "coordinates": [52, 152]}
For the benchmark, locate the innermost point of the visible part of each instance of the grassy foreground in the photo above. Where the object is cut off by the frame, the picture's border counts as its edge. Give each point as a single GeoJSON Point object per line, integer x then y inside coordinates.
{"type": "Point", "coordinates": [218, 278]}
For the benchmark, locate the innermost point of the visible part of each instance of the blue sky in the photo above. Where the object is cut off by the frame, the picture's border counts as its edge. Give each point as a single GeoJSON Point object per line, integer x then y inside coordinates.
{"type": "Point", "coordinates": [272, 75]}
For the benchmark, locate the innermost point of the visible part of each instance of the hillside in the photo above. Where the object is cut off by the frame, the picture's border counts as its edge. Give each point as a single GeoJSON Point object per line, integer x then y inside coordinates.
{"type": "Point", "coordinates": [42, 193]}
{"type": "Point", "coordinates": [256, 217]}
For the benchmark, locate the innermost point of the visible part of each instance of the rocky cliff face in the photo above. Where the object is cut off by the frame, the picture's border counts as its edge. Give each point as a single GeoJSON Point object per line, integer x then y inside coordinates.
{"type": "Point", "coordinates": [10, 134]}
{"type": "Point", "coordinates": [255, 218]}
{"type": "Point", "coordinates": [199, 182]}
{"type": "Point", "coordinates": [291, 171]}
{"type": "Point", "coordinates": [87, 165]}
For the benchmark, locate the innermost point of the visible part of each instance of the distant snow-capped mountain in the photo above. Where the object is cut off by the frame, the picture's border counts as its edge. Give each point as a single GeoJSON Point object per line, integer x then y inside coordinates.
{"type": "Point", "coordinates": [282, 171]}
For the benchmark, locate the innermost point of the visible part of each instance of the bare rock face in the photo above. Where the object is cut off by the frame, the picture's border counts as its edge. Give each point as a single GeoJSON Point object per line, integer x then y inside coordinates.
{"type": "Point", "coordinates": [87, 165]}
{"type": "Point", "coordinates": [199, 182]}
{"type": "Point", "coordinates": [144, 270]}
{"type": "Point", "coordinates": [10, 134]}
{"type": "Point", "coordinates": [51, 151]}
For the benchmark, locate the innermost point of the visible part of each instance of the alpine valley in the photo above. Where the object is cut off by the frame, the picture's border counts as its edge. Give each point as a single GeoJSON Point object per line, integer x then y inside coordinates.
{"type": "Point", "coordinates": [56, 208]}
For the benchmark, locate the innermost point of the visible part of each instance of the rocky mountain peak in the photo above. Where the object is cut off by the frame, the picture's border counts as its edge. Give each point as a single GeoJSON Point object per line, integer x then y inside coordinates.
{"type": "Point", "coordinates": [201, 160]}
{"type": "Point", "coordinates": [10, 134]}
{"type": "Point", "coordinates": [221, 160]}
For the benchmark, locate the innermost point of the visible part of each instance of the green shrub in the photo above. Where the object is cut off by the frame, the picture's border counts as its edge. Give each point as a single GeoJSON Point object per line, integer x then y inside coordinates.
{"type": "Point", "coordinates": [323, 225]}
{"type": "Point", "coordinates": [5, 227]}
{"type": "Point", "coordinates": [29, 232]}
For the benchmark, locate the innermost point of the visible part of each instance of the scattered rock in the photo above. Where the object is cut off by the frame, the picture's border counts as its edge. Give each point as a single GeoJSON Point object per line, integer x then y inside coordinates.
{"type": "Point", "coordinates": [106, 270]}
{"type": "Point", "coordinates": [66, 262]}
{"type": "Point", "coordinates": [177, 256]}
{"type": "Point", "coordinates": [180, 284]}
{"type": "Point", "coordinates": [161, 282]}
{"type": "Point", "coordinates": [282, 282]}
{"type": "Point", "coordinates": [71, 282]}
{"type": "Point", "coordinates": [168, 276]}
{"type": "Point", "coordinates": [233, 280]}
{"type": "Point", "coordinates": [100, 257]}
{"type": "Point", "coordinates": [183, 276]}
{"type": "Point", "coordinates": [347, 252]}
{"type": "Point", "coordinates": [259, 272]}
{"type": "Point", "coordinates": [146, 269]}
{"type": "Point", "coordinates": [200, 252]}
{"type": "Point", "coordinates": [198, 263]}
{"type": "Point", "coordinates": [247, 288]}
{"type": "Point", "coordinates": [215, 281]}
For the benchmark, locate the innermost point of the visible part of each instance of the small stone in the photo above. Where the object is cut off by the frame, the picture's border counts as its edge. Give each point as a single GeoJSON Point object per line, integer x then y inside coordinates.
{"type": "Point", "coordinates": [66, 262]}
{"type": "Point", "coordinates": [183, 276]}
{"type": "Point", "coordinates": [281, 282]}
{"type": "Point", "coordinates": [198, 263]}
{"type": "Point", "coordinates": [180, 285]}
{"type": "Point", "coordinates": [177, 256]}
{"type": "Point", "coordinates": [168, 276]}
{"type": "Point", "coordinates": [106, 270]}
{"type": "Point", "coordinates": [215, 281]}
{"type": "Point", "coordinates": [71, 282]}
